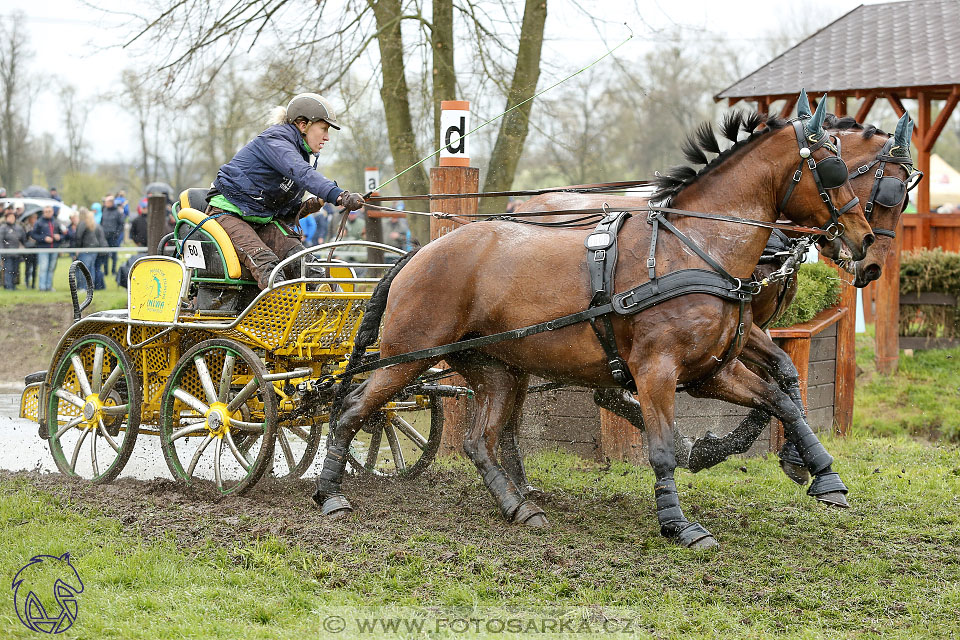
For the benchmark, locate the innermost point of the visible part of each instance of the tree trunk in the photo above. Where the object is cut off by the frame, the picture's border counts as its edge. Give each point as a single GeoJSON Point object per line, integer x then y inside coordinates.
{"type": "Point", "coordinates": [514, 126]}
{"type": "Point", "coordinates": [396, 105]}
{"type": "Point", "coordinates": [444, 76]}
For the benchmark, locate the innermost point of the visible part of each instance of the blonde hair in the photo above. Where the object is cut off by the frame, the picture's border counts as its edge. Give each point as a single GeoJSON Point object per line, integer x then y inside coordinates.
{"type": "Point", "coordinates": [277, 115]}
{"type": "Point", "coordinates": [87, 218]}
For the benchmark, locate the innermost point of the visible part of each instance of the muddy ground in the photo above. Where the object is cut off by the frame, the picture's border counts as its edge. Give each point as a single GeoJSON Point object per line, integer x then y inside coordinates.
{"type": "Point", "coordinates": [28, 335]}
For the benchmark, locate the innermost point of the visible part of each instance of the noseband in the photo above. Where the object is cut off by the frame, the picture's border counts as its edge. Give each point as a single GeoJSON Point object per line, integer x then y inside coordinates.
{"type": "Point", "coordinates": [888, 191]}
{"type": "Point", "coordinates": [834, 229]}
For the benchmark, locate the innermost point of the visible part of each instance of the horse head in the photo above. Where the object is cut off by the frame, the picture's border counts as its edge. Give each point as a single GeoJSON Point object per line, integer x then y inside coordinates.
{"type": "Point", "coordinates": [881, 172]}
{"type": "Point", "coordinates": [41, 582]}
{"type": "Point", "coordinates": [826, 199]}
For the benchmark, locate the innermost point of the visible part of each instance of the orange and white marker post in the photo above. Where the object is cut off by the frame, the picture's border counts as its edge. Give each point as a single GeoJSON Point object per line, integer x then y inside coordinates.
{"type": "Point", "coordinates": [454, 175]}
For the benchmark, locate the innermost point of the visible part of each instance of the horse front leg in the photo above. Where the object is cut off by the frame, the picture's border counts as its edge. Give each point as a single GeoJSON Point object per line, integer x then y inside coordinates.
{"type": "Point", "coordinates": [735, 383]}
{"type": "Point", "coordinates": [655, 398]}
{"type": "Point", "coordinates": [711, 449]}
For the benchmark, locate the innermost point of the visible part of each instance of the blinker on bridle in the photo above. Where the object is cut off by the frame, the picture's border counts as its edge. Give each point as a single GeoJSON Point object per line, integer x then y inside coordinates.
{"type": "Point", "coordinates": [887, 191]}
{"type": "Point", "coordinates": [829, 173]}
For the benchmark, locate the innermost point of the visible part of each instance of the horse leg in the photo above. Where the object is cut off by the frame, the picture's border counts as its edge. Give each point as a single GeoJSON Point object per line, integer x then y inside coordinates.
{"type": "Point", "coordinates": [735, 383]}
{"type": "Point", "coordinates": [358, 406]}
{"type": "Point", "coordinates": [510, 456]}
{"type": "Point", "coordinates": [773, 361]}
{"type": "Point", "coordinates": [656, 398]}
{"type": "Point", "coordinates": [496, 390]}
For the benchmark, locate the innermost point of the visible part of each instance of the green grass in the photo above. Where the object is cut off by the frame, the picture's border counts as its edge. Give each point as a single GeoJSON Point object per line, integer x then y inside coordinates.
{"type": "Point", "coordinates": [922, 398]}
{"type": "Point", "coordinates": [113, 297]}
{"type": "Point", "coordinates": [887, 568]}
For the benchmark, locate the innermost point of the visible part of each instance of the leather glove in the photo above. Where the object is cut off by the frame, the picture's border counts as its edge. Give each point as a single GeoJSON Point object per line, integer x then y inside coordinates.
{"type": "Point", "coordinates": [312, 205]}
{"type": "Point", "coordinates": [350, 201]}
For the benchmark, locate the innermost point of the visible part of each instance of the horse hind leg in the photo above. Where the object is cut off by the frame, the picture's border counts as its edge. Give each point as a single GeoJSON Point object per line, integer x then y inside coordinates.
{"type": "Point", "coordinates": [358, 406]}
{"type": "Point", "coordinates": [510, 456]}
{"type": "Point", "coordinates": [497, 389]}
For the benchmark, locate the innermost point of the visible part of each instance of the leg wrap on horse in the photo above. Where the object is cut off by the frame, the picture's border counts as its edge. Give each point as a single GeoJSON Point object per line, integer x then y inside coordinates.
{"type": "Point", "coordinates": [827, 481]}
{"type": "Point", "coordinates": [791, 386]}
{"type": "Point", "coordinates": [525, 511]}
{"type": "Point", "coordinates": [331, 476]}
{"type": "Point", "coordinates": [814, 456]}
{"type": "Point", "coordinates": [673, 524]}
{"type": "Point", "coordinates": [504, 492]}
{"type": "Point", "coordinates": [711, 450]}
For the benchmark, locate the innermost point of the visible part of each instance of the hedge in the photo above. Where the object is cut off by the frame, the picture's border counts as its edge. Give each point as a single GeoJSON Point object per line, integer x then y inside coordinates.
{"type": "Point", "coordinates": [933, 270]}
{"type": "Point", "coordinates": [818, 288]}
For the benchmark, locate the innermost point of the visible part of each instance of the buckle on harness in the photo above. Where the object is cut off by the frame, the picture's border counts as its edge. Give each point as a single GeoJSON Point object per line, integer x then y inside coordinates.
{"type": "Point", "coordinates": [797, 175]}
{"type": "Point", "coordinates": [651, 263]}
{"type": "Point", "coordinates": [862, 170]}
{"type": "Point", "coordinates": [878, 174]}
{"type": "Point", "coordinates": [599, 255]}
{"type": "Point", "coordinates": [868, 208]}
{"type": "Point", "coordinates": [740, 329]}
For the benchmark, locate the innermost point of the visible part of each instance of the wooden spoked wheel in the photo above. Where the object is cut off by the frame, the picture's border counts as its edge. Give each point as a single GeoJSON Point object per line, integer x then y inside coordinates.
{"type": "Point", "coordinates": [218, 417]}
{"type": "Point", "coordinates": [93, 409]}
{"type": "Point", "coordinates": [401, 440]}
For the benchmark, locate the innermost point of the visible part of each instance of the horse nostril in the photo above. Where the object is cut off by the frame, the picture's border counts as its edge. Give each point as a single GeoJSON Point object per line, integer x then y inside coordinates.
{"type": "Point", "coordinates": [871, 272]}
{"type": "Point", "coordinates": [868, 240]}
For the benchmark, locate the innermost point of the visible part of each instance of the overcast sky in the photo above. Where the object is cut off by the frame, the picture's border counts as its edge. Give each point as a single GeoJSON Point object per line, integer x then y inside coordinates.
{"type": "Point", "coordinates": [72, 42]}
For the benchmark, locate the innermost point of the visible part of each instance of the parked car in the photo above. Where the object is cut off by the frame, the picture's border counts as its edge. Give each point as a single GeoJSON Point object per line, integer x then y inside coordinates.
{"type": "Point", "coordinates": [31, 205]}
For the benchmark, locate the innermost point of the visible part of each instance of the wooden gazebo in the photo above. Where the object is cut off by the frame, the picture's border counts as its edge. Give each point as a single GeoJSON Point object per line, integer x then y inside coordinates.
{"type": "Point", "coordinates": [895, 51]}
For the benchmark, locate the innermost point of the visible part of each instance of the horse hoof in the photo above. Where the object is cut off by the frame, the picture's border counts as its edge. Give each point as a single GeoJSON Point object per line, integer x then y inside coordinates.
{"type": "Point", "coordinates": [335, 506]}
{"type": "Point", "coordinates": [530, 514]}
{"type": "Point", "coordinates": [538, 521]}
{"type": "Point", "coordinates": [704, 543]}
{"type": "Point", "coordinates": [798, 474]}
{"type": "Point", "coordinates": [834, 499]}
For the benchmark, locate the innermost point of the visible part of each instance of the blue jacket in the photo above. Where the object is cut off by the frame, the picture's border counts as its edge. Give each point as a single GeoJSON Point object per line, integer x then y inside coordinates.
{"type": "Point", "coordinates": [44, 228]}
{"type": "Point", "coordinates": [309, 227]}
{"type": "Point", "coordinates": [267, 177]}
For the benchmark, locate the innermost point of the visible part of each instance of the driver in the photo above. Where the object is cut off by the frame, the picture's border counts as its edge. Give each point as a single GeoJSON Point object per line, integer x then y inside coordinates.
{"type": "Point", "coordinates": [260, 191]}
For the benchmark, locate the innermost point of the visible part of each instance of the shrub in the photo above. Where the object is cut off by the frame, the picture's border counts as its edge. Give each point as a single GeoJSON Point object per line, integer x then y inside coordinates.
{"type": "Point", "coordinates": [932, 270]}
{"type": "Point", "coordinates": [818, 288]}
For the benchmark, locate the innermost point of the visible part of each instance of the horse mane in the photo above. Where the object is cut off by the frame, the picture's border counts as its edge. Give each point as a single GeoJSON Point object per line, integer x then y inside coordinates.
{"type": "Point", "coordinates": [847, 123]}
{"type": "Point", "coordinates": [703, 140]}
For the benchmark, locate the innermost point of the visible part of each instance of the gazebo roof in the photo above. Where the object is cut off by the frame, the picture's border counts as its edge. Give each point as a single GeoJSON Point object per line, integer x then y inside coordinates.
{"type": "Point", "coordinates": [894, 45]}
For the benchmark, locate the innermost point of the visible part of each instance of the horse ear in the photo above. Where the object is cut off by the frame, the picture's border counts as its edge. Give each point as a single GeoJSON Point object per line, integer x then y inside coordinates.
{"type": "Point", "coordinates": [816, 122]}
{"type": "Point", "coordinates": [901, 137]}
{"type": "Point", "coordinates": [66, 556]}
{"type": "Point", "coordinates": [803, 105]}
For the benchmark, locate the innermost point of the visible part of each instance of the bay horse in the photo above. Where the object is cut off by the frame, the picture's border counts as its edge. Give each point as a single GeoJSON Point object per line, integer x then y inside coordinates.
{"type": "Point", "coordinates": [866, 151]}
{"type": "Point", "coordinates": [496, 276]}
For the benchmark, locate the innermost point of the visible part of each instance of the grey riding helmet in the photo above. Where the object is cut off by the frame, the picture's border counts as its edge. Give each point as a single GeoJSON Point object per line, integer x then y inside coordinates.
{"type": "Point", "coordinates": [313, 107]}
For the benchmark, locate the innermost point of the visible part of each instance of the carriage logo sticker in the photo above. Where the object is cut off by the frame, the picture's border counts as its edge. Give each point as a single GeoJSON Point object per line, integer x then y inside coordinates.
{"type": "Point", "coordinates": [45, 594]}
{"type": "Point", "coordinates": [155, 289]}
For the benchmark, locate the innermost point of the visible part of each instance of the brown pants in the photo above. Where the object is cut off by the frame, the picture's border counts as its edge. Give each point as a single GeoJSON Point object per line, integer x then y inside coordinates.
{"type": "Point", "coordinates": [260, 247]}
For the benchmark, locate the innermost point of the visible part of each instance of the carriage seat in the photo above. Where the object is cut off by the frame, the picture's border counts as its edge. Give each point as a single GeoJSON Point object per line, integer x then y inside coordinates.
{"type": "Point", "coordinates": [219, 254]}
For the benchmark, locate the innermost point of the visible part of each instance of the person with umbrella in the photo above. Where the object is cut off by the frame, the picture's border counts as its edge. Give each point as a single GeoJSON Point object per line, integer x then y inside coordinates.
{"type": "Point", "coordinates": [258, 195]}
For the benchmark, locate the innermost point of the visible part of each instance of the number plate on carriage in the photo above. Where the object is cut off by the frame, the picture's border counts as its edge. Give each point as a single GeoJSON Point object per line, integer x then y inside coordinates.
{"type": "Point", "coordinates": [193, 255]}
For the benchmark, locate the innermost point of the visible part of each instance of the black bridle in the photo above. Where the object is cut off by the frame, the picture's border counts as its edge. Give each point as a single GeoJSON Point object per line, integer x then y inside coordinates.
{"type": "Point", "coordinates": [888, 191]}
{"type": "Point", "coordinates": [829, 173]}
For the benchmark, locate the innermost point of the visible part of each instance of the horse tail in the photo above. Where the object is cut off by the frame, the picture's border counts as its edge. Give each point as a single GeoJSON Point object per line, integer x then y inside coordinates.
{"type": "Point", "coordinates": [367, 333]}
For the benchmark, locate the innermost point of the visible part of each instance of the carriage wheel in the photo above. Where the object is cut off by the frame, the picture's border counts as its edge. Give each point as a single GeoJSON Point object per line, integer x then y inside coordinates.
{"type": "Point", "coordinates": [218, 395]}
{"type": "Point", "coordinates": [401, 440]}
{"type": "Point", "coordinates": [296, 447]}
{"type": "Point", "coordinates": [93, 410]}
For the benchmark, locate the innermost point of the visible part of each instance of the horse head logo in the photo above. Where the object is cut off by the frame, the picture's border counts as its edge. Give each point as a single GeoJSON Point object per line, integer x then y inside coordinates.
{"type": "Point", "coordinates": [45, 593]}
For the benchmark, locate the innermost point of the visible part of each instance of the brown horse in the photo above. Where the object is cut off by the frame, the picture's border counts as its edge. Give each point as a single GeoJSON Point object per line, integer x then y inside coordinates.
{"type": "Point", "coordinates": [496, 276]}
{"type": "Point", "coordinates": [862, 147]}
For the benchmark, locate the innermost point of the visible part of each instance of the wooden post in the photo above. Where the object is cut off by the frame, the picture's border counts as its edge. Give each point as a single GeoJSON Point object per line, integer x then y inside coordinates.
{"type": "Point", "coordinates": [887, 298]}
{"type": "Point", "coordinates": [454, 175]}
{"type": "Point", "coordinates": [620, 440]}
{"type": "Point", "coordinates": [846, 353]}
{"type": "Point", "coordinates": [156, 221]}
{"type": "Point", "coordinates": [923, 152]}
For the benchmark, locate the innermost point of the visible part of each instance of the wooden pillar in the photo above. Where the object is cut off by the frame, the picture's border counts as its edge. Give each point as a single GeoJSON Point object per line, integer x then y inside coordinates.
{"type": "Point", "coordinates": [620, 440]}
{"type": "Point", "coordinates": [846, 378]}
{"type": "Point", "coordinates": [923, 152]}
{"type": "Point", "coordinates": [864, 109]}
{"type": "Point", "coordinates": [868, 293]}
{"type": "Point", "coordinates": [840, 105]}
{"type": "Point", "coordinates": [156, 221]}
{"type": "Point", "coordinates": [887, 298]}
{"type": "Point", "coordinates": [454, 175]}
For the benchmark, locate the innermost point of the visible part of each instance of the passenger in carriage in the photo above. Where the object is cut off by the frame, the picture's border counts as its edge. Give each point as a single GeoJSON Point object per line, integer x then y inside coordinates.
{"type": "Point", "coordinates": [260, 191]}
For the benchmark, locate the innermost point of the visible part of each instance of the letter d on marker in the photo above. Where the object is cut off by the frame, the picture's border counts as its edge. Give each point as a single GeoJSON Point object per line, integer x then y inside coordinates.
{"type": "Point", "coordinates": [454, 124]}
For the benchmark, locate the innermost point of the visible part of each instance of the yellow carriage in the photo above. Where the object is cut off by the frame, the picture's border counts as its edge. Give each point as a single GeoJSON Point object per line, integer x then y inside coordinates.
{"type": "Point", "coordinates": [237, 383]}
